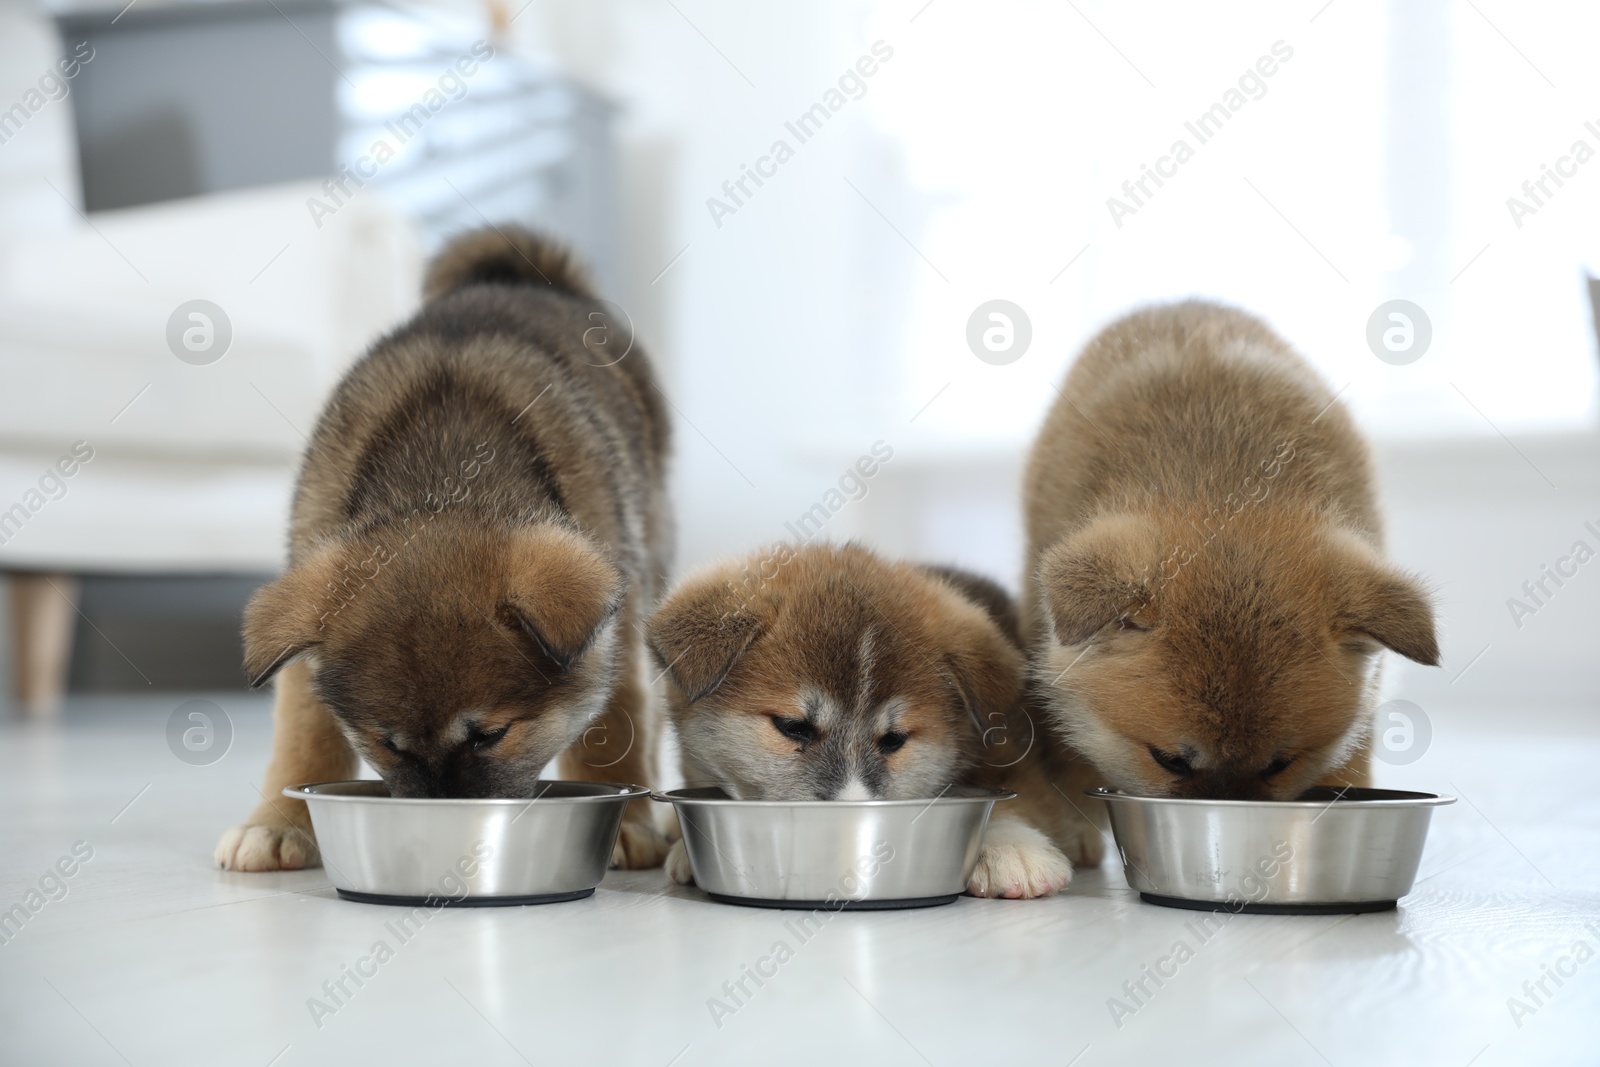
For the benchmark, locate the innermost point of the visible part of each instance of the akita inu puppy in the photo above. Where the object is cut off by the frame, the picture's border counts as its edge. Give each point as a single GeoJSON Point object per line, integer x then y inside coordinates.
{"type": "Point", "coordinates": [825, 672]}
{"type": "Point", "coordinates": [479, 529]}
{"type": "Point", "coordinates": [1206, 593]}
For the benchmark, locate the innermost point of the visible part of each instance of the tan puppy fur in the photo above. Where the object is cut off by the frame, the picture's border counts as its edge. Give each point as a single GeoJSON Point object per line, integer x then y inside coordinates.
{"type": "Point", "coordinates": [479, 529]}
{"type": "Point", "coordinates": [827, 673]}
{"type": "Point", "coordinates": [1206, 594]}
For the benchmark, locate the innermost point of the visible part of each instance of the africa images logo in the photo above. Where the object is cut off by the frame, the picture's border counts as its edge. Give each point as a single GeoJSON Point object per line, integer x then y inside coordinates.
{"type": "Point", "coordinates": [851, 85]}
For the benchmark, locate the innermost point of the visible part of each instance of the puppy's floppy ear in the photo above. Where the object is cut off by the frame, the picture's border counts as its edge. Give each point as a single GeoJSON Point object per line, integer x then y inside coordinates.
{"type": "Point", "coordinates": [1378, 601]}
{"type": "Point", "coordinates": [285, 617]}
{"type": "Point", "coordinates": [701, 630]}
{"type": "Point", "coordinates": [983, 664]}
{"type": "Point", "coordinates": [562, 589]}
{"type": "Point", "coordinates": [1102, 573]}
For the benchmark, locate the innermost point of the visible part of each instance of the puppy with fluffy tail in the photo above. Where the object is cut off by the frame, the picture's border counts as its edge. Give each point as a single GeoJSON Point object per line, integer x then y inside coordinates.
{"type": "Point", "coordinates": [1206, 592]}
{"type": "Point", "coordinates": [824, 672]}
{"type": "Point", "coordinates": [480, 526]}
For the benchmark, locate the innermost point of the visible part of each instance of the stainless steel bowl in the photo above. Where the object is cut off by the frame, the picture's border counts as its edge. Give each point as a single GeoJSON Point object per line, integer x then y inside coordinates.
{"type": "Point", "coordinates": [379, 849]}
{"type": "Point", "coordinates": [1332, 851]}
{"type": "Point", "coordinates": [833, 854]}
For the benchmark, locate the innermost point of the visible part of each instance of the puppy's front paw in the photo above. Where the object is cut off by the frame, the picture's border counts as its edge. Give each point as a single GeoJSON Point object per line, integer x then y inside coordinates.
{"type": "Point", "coordinates": [1085, 845]}
{"type": "Point", "coordinates": [1018, 862]}
{"type": "Point", "coordinates": [267, 847]}
{"type": "Point", "coordinates": [640, 844]}
{"type": "Point", "coordinates": [678, 868]}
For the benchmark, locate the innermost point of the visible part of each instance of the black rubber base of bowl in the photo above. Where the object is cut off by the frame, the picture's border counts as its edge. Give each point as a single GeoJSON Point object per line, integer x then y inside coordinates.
{"type": "Point", "coordinates": [1270, 909]}
{"type": "Point", "coordinates": [836, 905]}
{"type": "Point", "coordinates": [464, 902]}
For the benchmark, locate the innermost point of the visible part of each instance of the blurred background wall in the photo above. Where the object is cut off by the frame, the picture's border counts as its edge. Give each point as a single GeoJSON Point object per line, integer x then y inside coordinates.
{"type": "Point", "coordinates": [1340, 156]}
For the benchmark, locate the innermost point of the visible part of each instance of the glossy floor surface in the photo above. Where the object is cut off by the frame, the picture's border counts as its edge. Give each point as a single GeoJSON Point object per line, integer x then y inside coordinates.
{"type": "Point", "coordinates": [153, 956]}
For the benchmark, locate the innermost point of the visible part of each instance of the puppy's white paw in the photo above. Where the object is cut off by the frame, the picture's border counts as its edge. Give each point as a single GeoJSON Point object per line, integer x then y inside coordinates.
{"type": "Point", "coordinates": [678, 868]}
{"type": "Point", "coordinates": [1017, 862]}
{"type": "Point", "coordinates": [262, 847]}
{"type": "Point", "coordinates": [1086, 845]}
{"type": "Point", "coordinates": [639, 844]}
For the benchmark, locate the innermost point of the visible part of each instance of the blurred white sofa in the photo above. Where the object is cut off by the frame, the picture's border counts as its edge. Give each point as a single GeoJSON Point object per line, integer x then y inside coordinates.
{"type": "Point", "coordinates": [192, 465]}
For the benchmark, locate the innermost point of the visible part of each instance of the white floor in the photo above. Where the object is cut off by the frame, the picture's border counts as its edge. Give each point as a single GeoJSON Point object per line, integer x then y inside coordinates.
{"type": "Point", "coordinates": [155, 957]}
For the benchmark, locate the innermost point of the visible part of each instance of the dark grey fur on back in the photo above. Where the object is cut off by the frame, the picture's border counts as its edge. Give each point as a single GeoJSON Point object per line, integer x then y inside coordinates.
{"type": "Point", "coordinates": [497, 367]}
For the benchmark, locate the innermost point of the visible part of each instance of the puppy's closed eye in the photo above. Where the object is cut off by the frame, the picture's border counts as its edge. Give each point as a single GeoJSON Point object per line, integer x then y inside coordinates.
{"type": "Point", "coordinates": [485, 739]}
{"type": "Point", "coordinates": [803, 731]}
{"type": "Point", "coordinates": [1277, 767]}
{"type": "Point", "coordinates": [1172, 762]}
{"type": "Point", "coordinates": [892, 742]}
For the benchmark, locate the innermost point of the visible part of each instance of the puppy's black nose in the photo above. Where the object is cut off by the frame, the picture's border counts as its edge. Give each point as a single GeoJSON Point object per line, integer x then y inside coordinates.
{"type": "Point", "coordinates": [1223, 784]}
{"type": "Point", "coordinates": [436, 786]}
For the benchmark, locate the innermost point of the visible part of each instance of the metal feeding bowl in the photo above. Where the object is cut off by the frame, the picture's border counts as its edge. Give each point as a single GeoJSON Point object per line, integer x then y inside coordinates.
{"type": "Point", "coordinates": [833, 854]}
{"type": "Point", "coordinates": [1332, 851]}
{"type": "Point", "coordinates": [379, 849]}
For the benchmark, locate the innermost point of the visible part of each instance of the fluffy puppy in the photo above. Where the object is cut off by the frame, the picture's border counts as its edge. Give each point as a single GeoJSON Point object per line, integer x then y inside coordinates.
{"type": "Point", "coordinates": [1206, 594]}
{"type": "Point", "coordinates": [479, 528]}
{"type": "Point", "coordinates": [827, 673]}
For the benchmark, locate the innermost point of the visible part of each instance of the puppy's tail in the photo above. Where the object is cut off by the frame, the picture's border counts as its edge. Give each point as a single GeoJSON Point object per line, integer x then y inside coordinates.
{"type": "Point", "coordinates": [505, 255]}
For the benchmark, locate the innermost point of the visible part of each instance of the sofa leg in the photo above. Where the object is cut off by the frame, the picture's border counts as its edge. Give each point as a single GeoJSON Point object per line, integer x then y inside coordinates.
{"type": "Point", "coordinates": [43, 615]}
